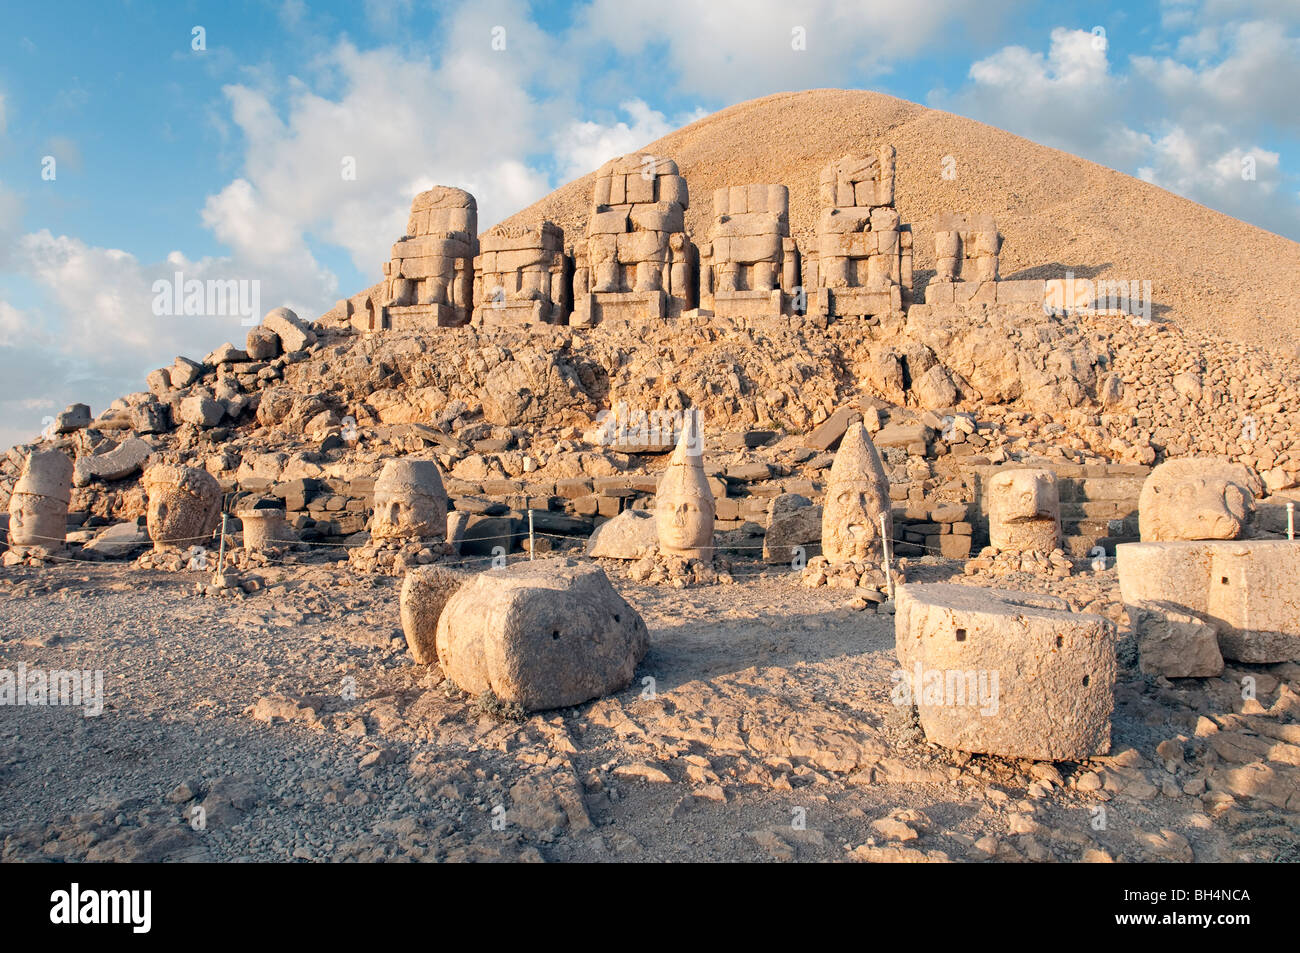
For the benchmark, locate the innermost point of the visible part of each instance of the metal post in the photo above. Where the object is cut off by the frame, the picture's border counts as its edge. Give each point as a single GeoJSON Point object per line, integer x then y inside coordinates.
{"type": "Point", "coordinates": [1290, 521]}
{"type": "Point", "coordinates": [221, 551]}
{"type": "Point", "coordinates": [532, 540]}
{"type": "Point", "coordinates": [884, 540]}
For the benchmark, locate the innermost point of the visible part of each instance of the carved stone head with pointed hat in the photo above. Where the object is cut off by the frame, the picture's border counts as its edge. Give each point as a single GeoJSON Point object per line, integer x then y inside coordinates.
{"type": "Point", "coordinates": [684, 506]}
{"type": "Point", "coordinates": [857, 493]}
{"type": "Point", "coordinates": [38, 508]}
{"type": "Point", "coordinates": [410, 502]}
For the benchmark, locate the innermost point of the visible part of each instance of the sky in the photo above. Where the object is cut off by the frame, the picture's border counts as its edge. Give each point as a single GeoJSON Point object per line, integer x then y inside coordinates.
{"type": "Point", "coordinates": [278, 143]}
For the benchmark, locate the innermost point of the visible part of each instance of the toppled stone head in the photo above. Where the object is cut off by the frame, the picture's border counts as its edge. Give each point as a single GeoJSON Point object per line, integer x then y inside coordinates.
{"type": "Point", "coordinates": [684, 505]}
{"type": "Point", "coordinates": [410, 502]}
{"type": "Point", "coordinates": [1024, 511]}
{"type": "Point", "coordinates": [184, 506]}
{"type": "Point", "coordinates": [857, 495]}
{"type": "Point", "coordinates": [1196, 498]}
{"type": "Point", "coordinates": [38, 507]}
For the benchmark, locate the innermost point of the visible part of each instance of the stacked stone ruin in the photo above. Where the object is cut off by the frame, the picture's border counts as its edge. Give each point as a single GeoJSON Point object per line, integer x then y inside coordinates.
{"type": "Point", "coordinates": [429, 281]}
{"type": "Point", "coordinates": [1196, 590]}
{"type": "Point", "coordinates": [521, 276]}
{"type": "Point", "coordinates": [637, 262]}
{"type": "Point", "coordinates": [863, 261]}
{"type": "Point", "coordinates": [750, 266]}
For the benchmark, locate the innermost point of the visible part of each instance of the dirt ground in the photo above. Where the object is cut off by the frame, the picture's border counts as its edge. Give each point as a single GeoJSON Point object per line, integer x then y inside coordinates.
{"type": "Point", "coordinates": [291, 723]}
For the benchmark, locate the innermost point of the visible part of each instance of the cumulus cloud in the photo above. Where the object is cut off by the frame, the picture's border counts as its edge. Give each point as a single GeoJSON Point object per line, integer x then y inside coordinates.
{"type": "Point", "coordinates": [1190, 127]}
{"type": "Point", "coordinates": [730, 50]}
{"type": "Point", "coordinates": [584, 146]}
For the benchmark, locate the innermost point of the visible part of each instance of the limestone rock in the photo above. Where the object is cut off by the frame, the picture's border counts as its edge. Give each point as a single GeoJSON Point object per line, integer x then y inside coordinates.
{"type": "Point", "coordinates": [1174, 643]}
{"type": "Point", "coordinates": [1005, 673]}
{"type": "Point", "coordinates": [799, 528]}
{"type": "Point", "coordinates": [542, 634]}
{"type": "Point", "coordinates": [76, 417]}
{"type": "Point", "coordinates": [425, 593]}
{"type": "Point", "coordinates": [294, 333]}
{"type": "Point", "coordinates": [122, 461]}
{"type": "Point", "coordinates": [263, 344]}
{"type": "Point", "coordinates": [201, 411]}
{"type": "Point", "coordinates": [630, 535]}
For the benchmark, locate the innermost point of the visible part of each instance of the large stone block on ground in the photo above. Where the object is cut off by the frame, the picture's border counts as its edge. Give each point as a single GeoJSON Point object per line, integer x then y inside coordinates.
{"type": "Point", "coordinates": [791, 531]}
{"type": "Point", "coordinates": [630, 535]}
{"type": "Point", "coordinates": [542, 634]}
{"type": "Point", "coordinates": [122, 461]}
{"type": "Point", "coordinates": [1196, 498]}
{"type": "Point", "coordinates": [1247, 590]}
{"type": "Point", "coordinates": [1006, 673]}
{"type": "Point", "coordinates": [294, 333]}
{"type": "Point", "coordinates": [425, 593]}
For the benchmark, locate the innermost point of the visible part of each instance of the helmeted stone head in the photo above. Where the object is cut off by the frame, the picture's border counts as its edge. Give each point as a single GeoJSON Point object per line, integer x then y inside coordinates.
{"type": "Point", "coordinates": [410, 502]}
{"type": "Point", "coordinates": [38, 506]}
{"type": "Point", "coordinates": [184, 506]}
{"type": "Point", "coordinates": [857, 495]}
{"type": "Point", "coordinates": [684, 505]}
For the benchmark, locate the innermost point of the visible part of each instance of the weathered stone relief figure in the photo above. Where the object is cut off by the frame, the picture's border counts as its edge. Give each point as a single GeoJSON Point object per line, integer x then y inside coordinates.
{"type": "Point", "coordinates": [1024, 511]}
{"type": "Point", "coordinates": [38, 507]}
{"type": "Point", "coordinates": [636, 261]}
{"type": "Point", "coordinates": [750, 265]}
{"type": "Point", "coordinates": [184, 506]}
{"type": "Point", "coordinates": [966, 248]}
{"type": "Point", "coordinates": [863, 261]}
{"type": "Point", "coordinates": [410, 501]}
{"type": "Point", "coordinates": [430, 279]}
{"type": "Point", "coordinates": [857, 495]}
{"type": "Point", "coordinates": [520, 276]}
{"type": "Point", "coordinates": [684, 504]}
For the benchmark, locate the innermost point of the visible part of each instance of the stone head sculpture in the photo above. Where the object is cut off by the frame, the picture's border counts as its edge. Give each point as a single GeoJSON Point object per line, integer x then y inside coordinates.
{"type": "Point", "coordinates": [684, 505]}
{"type": "Point", "coordinates": [1024, 510]}
{"type": "Point", "coordinates": [857, 495]}
{"type": "Point", "coordinates": [38, 507]}
{"type": "Point", "coordinates": [410, 502]}
{"type": "Point", "coordinates": [184, 506]}
{"type": "Point", "coordinates": [1196, 498]}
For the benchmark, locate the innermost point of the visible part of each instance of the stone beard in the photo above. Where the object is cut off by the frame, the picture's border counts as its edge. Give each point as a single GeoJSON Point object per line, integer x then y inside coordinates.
{"type": "Point", "coordinates": [684, 505]}
{"type": "Point", "coordinates": [410, 502]}
{"type": "Point", "coordinates": [857, 495]}
{"type": "Point", "coordinates": [184, 506]}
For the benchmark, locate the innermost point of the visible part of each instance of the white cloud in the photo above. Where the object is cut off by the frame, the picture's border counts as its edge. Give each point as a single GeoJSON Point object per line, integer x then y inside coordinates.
{"type": "Point", "coordinates": [737, 49]}
{"type": "Point", "coordinates": [1187, 127]}
{"type": "Point", "coordinates": [584, 146]}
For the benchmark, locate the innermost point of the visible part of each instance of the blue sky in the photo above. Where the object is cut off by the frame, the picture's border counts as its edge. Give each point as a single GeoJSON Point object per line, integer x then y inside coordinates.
{"type": "Point", "coordinates": [225, 162]}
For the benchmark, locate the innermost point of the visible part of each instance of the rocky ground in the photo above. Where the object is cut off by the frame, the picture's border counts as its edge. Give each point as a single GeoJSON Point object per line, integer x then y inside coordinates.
{"type": "Point", "coordinates": [759, 727]}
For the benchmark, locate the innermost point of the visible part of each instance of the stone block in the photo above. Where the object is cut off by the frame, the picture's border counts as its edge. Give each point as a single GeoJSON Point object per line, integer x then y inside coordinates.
{"type": "Point", "coordinates": [1005, 673]}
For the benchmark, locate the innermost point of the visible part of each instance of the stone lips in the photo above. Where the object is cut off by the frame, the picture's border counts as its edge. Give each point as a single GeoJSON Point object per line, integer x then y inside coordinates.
{"type": "Point", "coordinates": [1055, 670]}
{"type": "Point", "coordinates": [542, 634]}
